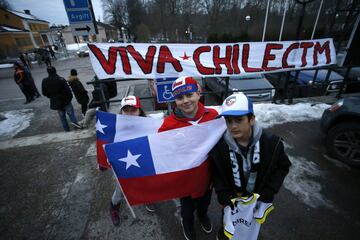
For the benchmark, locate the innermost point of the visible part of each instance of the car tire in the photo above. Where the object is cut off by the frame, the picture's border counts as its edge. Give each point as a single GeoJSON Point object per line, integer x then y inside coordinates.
{"type": "Point", "coordinates": [343, 142]}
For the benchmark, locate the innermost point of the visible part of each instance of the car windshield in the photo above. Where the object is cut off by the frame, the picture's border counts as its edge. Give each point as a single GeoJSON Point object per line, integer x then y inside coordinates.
{"type": "Point", "coordinates": [83, 48]}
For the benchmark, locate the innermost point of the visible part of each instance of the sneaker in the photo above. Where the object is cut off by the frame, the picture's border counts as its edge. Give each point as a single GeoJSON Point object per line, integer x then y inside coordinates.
{"type": "Point", "coordinates": [188, 230]}
{"type": "Point", "coordinates": [150, 207]}
{"type": "Point", "coordinates": [205, 224]}
{"type": "Point", "coordinates": [114, 212]}
{"type": "Point", "coordinates": [76, 125]}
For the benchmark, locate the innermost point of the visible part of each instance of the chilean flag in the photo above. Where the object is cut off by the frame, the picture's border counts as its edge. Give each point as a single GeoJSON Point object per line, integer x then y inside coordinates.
{"type": "Point", "coordinates": [112, 127]}
{"type": "Point", "coordinates": [166, 165]}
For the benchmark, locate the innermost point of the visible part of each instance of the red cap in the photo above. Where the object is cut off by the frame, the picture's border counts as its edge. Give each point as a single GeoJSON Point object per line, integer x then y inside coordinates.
{"type": "Point", "coordinates": [133, 101]}
{"type": "Point", "coordinates": [184, 85]}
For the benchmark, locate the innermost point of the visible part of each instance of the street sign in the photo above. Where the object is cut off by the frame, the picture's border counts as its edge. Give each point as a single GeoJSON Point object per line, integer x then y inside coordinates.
{"type": "Point", "coordinates": [81, 17]}
{"type": "Point", "coordinates": [163, 89]}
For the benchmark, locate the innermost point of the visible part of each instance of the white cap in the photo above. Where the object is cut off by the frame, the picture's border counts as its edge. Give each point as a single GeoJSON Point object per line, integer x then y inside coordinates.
{"type": "Point", "coordinates": [237, 104]}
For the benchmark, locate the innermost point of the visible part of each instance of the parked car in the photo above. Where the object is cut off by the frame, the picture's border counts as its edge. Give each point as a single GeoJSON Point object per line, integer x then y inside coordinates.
{"type": "Point", "coordinates": [255, 86]}
{"type": "Point", "coordinates": [341, 125]}
{"type": "Point", "coordinates": [83, 51]}
{"type": "Point", "coordinates": [353, 81]}
{"type": "Point", "coordinates": [318, 86]}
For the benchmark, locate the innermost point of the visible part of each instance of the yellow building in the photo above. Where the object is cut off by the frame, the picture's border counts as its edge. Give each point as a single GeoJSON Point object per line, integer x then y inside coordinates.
{"type": "Point", "coordinates": [21, 32]}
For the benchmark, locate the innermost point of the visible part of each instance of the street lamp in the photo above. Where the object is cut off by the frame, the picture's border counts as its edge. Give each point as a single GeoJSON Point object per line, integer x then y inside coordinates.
{"type": "Point", "coordinates": [247, 19]}
{"type": "Point", "coordinates": [123, 34]}
{"type": "Point", "coordinates": [188, 31]}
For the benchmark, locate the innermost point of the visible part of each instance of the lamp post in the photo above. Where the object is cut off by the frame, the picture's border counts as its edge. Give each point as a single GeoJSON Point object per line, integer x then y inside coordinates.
{"type": "Point", "coordinates": [247, 19]}
{"type": "Point", "coordinates": [189, 32]}
{"type": "Point", "coordinates": [123, 32]}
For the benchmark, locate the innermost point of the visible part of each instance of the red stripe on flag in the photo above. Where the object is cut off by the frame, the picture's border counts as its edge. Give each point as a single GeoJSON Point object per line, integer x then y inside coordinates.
{"type": "Point", "coordinates": [101, 156]}
{"type": "Point", "coordinates": [192, 182]}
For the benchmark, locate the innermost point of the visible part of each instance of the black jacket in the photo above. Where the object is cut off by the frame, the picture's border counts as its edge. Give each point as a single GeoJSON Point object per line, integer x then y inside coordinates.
{"type": "Point", "coordinates": [57, 89]}
{"type": "Point", "coordinates": [78, 90]}
{"type": "Point", "coordinates": [274, 166]}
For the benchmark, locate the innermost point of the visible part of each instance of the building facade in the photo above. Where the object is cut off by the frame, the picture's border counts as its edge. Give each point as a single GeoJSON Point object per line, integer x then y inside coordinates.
{"type": "Point", "coordinates": [21, 32]}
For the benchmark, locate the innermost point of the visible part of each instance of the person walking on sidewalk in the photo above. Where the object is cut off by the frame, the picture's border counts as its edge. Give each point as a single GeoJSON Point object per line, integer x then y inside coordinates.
{"type": "Point", "coordinates": [189, 111]}
{"type": "Point", "coordinates": [79, 91]}
{"type": "Point", "coordinates": [130, 105]}
{"type": "Point", "coordinates": [58, 91]}
{"type": "Point", "coordinates": [247, 159]}
{"type": "Point", "coordinates": [21, 79]}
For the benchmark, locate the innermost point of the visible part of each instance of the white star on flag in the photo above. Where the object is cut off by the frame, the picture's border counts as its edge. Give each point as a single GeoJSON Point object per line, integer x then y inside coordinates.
{"type": "Point", "coordinates": [100, 127]}
{"type": "Point", "coordinates": [130, 160]}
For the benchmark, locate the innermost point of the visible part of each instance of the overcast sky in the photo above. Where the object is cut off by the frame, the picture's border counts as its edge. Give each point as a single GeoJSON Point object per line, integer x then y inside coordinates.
{"type": "Point", "coordinates": [52, 11]}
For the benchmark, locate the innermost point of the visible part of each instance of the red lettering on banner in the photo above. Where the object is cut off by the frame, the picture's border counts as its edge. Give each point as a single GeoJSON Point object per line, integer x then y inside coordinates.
{"type": "Point", "coordinates": [146, 64]}
{"type": "Point", "coordinates": [196, 56]}
{"type": "Point", "coordinates": [165, 56]}
{"type": "Point", "coordinates": [225, 60]}
{"type": "Point", "coordinates": [235, 59]}
{"type": "Point", "coordinates": [108, 65]}
{"type": "Point", "coordinates": [270, 57]}
{"type": "Point", "coordinates": [320, 49]}
{"type": "Point", "coordinates": [245, 59]}
{"type": "Point", "coordinates": [286, 55]}
{"type": "Point", "coordinates": [305, 46]}
{"type": "Point", "coordinates": [125, 60]}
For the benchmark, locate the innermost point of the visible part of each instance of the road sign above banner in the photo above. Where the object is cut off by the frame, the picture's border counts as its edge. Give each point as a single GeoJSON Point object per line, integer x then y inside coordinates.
{"type": "Point", "coordinates": [81, 17]}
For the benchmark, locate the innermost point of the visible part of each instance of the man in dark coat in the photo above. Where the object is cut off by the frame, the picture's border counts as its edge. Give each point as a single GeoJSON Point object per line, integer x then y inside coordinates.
{"type": "Point", "coordinates": [57, 89]}
{"type": "Point", "coordinates": [247, 159]}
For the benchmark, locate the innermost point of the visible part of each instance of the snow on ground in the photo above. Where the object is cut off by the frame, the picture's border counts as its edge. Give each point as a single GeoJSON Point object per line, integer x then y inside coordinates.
{"type": "Point", "coordinates": [15, 122]}
{"type": "Point", "coordinates": [272, 114]}
{"type": "Point", "coordinates": [303, 182]}
{"type": "Point", "coordinates": [268, 114]}
{"type": "Point", "coordinates": [6, 65]}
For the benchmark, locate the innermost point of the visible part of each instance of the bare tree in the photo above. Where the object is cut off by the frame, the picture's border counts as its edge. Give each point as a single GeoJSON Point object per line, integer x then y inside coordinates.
{"type": "Point", "coordinates": [5, 4]}
{"type": "Point", "coordinates": [116, 12]}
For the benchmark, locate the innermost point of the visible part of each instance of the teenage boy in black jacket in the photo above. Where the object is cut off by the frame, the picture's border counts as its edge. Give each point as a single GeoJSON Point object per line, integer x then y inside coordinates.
{"type": "Point", "coordinates": [247, 159]}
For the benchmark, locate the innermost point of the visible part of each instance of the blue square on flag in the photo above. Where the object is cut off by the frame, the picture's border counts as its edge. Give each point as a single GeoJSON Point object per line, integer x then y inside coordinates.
{"type": "Point", "coordinates": [131, 158]}
{"type": "Point", "coordinates": [105, 126]}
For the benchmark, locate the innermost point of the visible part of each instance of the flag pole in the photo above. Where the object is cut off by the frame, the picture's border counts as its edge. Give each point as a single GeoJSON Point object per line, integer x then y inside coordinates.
{"type": "Point", "coordinates": [127, 202]}
{"type": "Point", "coordinates": [283, 20]}
{"type": "Point", "coordinates": [317, 19]}
{"type": "Point", "coordinates": [266, 17]}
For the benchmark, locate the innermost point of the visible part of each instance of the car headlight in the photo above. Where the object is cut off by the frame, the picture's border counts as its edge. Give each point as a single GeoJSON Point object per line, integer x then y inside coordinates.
{"type": "Point", "coordinates": [337, 105]}
{"type": "Point", "coordinates": [77, 52]}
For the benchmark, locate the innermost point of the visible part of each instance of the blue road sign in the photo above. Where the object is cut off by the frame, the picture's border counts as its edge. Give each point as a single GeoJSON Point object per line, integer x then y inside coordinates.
{"type": "Point", "coordinates": [163, 89]}
{"type": "Point", "coordinates": [79, 16]}
{"type": "Point", "coordinates": [76, 3]}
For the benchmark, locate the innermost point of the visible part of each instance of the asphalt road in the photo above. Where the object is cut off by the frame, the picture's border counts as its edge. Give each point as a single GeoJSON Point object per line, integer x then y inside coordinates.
{"type": "Point", "coordinates": [51, 188]}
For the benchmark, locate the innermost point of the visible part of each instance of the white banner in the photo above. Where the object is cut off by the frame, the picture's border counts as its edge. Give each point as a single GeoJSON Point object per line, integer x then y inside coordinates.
{"type": "Point", "coordinates": [137, 60]}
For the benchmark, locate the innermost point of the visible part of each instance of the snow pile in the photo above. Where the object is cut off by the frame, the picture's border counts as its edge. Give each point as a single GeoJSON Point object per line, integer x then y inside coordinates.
{"type": "Point", "coordinates": [272, 114]}
{"type": "Point", "coordinates": [15, 122]}
{"type": "Point", "coordinates": [268, 114]}
{"type": "Point", "coordinates": [6, 65]}
{"type": "Point", "coordinates": [303, 181]}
